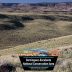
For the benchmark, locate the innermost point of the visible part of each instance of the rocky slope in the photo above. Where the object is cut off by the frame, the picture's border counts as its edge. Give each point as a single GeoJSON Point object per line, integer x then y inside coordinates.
{"type": "Point", "coordinates": [37, 7]}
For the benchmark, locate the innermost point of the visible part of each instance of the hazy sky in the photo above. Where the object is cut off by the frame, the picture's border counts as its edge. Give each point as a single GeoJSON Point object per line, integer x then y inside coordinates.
{"type": "Point", "coordinates": [32, 1]}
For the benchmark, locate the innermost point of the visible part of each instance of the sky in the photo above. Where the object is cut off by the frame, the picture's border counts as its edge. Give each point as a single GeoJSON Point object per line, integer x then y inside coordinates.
{"type": "Point", "coordinates": [32, 1]}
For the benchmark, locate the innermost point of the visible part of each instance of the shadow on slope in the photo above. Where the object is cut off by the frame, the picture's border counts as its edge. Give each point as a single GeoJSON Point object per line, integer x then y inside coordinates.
{"type": "Point", "coordinates": [2, 16]}
{"type": "Point", "coordinates": [11, 25]}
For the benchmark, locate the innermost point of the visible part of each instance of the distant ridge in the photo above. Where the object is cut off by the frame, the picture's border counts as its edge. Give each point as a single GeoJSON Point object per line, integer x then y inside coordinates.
{"type": "Point", "coordinates": [36, 7]}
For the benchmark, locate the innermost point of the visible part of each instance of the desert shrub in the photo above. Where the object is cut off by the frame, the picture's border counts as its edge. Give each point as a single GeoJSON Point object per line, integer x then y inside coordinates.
{"type": "Point", "coordinates": [17, 23]}
{"type": "Point", "coordinates": [6, 27]}
{"type": "Point", "coordinates": [52, 18]}
{"type": "Point", "coordinates": [11, 25]}
{"type": "Point", "coordinates": [3, 16]}
{"type": "Point", "coordinates": [66, 53]}
{"type": "Point", "coordinates": [65, 18]}
{"type": "Point", "coordinates": [25, 18]}
{"type": "Point", "coordinates": [7, 68]}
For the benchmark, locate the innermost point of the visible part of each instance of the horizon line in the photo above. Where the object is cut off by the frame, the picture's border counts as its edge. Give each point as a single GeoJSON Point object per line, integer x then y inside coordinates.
{"type": "Point", "coordinates": [37, 2]}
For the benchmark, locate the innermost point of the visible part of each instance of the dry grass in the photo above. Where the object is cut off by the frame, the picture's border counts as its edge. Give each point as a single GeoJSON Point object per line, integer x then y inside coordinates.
{"type": "Point", "coordinates": [48, 31]}
{"type": "Point", "coordinates": [37, 27]}
{"type": "Point", "coordinates": [64, 62]}
{"type": "Point", "coordinates": [46, 44]}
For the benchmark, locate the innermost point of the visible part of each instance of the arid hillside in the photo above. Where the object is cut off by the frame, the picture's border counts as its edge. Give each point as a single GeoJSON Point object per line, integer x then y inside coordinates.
{"type": "Point", "coordinates": [39, 26]}
{"type": "Point", "coordinates": [9, 57]}
{"type": "Point", "coordinates": [19, 29]}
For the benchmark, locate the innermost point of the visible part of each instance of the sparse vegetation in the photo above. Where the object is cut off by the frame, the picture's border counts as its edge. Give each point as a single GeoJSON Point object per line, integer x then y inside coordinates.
{"type": "Point", "coordinates": [3, 16]}
{"type": "Point", "coordinates": [27, 18]}
{"type": "Point", "coordinates": [17, 32]}
{"type": "Point", "coordinates": [35, 26]}
{"type": "Point", "coordinates": [22, 29]}
{"type": "Point", "coordinates": [12, 24]}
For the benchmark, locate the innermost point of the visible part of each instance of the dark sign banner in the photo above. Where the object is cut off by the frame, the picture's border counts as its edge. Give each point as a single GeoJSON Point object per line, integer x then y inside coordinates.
{"type": "Point", "coordinates": [38, 62]}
